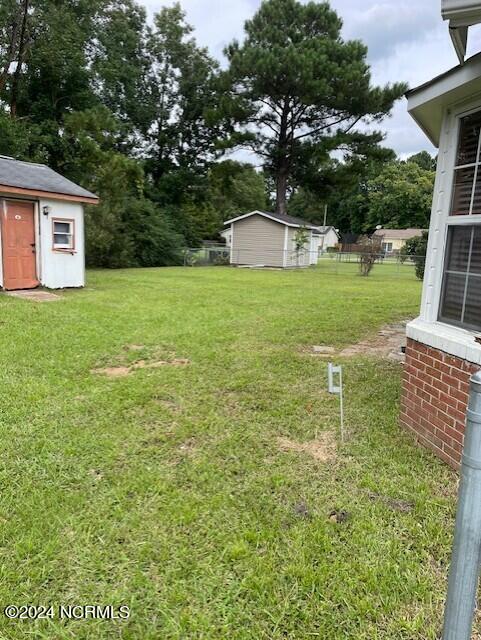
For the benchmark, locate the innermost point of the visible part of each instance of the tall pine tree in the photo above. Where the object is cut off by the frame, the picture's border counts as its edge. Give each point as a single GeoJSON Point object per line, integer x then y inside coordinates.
{"type": "Point", "coordinates": [302, 86]}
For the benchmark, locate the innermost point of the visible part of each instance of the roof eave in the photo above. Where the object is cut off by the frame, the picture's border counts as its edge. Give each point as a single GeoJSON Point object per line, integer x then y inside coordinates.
{"type": "Point", "coordinates": [266, 215]}
{"type": "Point", "coordinates": [37, 193]}
{"type": "Point", "coordinates": [428, 102]}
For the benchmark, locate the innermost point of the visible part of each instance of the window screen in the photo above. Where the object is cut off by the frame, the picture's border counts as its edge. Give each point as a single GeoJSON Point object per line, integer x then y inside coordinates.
{"type": "Point", "coordinates": [467, 176]}
{"type": "Point", "coordinates": [461, 296]}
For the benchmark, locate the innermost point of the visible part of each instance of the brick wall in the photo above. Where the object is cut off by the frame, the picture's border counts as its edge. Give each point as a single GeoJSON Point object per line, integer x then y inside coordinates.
{"type": "Point", "coordinates": [434, 399]}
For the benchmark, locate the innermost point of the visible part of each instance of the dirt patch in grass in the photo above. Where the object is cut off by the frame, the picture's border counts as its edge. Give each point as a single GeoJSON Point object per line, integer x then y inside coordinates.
{"type": "Point", "coordinates": [138, 356]}
{"type": "Point", "coordinates": [387, 343]}
{"type": "Point", "coordinates": [176, 362]}
{"type": "Point", "coordinates": [397, 504]}
{"type": "Point", "coordinates": [117, 372]}
{"type": "Point", "coordinates": [322, 449]}
{"type": "Point", "coordinates": [113, 372]}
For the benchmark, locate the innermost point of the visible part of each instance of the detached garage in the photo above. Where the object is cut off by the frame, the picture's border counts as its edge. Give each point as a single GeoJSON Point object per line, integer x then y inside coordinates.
{"type": "Point", "coordinates": [267, 239]}
{"type": "Point", "coordinates": [41, 227]}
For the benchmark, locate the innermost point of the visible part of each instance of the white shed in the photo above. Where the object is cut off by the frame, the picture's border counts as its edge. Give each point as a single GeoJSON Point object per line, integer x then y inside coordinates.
{"type": "Point", "coordinates": [41, 227]}
{"type": "Point", "coordinates": [261, 238]}
{"type": "Point", "coordinates": [328, 238]}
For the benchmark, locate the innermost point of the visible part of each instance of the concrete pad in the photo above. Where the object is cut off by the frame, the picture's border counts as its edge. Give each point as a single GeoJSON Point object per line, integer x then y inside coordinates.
{"type": "Point", "coordinates": [34, 295]}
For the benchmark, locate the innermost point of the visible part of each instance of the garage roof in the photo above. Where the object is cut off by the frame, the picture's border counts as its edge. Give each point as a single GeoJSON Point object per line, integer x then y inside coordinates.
{"type": "Point", "coordinates": [29, 178]}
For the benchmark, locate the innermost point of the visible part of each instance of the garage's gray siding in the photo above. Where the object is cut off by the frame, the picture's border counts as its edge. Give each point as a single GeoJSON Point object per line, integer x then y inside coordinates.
{"type": "Point", "coordinates": [258, 240]}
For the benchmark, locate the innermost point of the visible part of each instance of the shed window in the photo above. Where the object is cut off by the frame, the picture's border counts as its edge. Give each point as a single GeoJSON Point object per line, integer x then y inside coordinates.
{"type": "Point", "coordinates": [467, 173]}
{"type": "Point", "coordinates": [63, 234]}
{"type": "Point", "coordinates": [387, 247]}
{"type": "Point", "coordinates": [461, 295]}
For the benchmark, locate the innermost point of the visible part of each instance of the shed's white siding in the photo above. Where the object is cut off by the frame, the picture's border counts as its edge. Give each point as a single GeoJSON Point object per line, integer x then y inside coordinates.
{"type": "Point", "coordinates": [55, 269]}
{"type": "Point", "coordinates": [59, 269]}
{"type": "Point", "coordinates": [330, 240]}
{"type": "Point", "coordinates": [294, 258]}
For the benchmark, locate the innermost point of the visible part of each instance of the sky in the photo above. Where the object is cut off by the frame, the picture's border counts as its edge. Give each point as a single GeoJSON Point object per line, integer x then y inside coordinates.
{"type": "Point", "coordinates": [407, 41]}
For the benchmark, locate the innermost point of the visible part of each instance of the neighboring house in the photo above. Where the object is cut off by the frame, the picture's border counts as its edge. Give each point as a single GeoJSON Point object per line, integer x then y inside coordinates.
{"type": "Point", "coordinates": [393, 240]}
{"type": "Point", "coordinates": [328, 238]}
{"type": "Point", "coordinates": [442, 350]}
{"type": "Point", "coordinates": [41, 227]}
{"type": "Point", "coordinates": [260, 238]}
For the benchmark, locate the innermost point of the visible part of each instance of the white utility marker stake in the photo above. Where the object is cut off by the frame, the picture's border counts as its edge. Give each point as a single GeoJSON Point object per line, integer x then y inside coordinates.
{"type": "Point", "coordinates": [337, 390]}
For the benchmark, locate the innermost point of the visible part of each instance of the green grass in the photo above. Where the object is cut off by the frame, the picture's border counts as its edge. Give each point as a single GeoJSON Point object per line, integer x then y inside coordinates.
{"type": "Point", "coordinates": [166, 490]}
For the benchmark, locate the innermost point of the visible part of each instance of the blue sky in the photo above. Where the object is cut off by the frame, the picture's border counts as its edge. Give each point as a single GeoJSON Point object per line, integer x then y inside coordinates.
{"type": "Point", "coordinates": [407, 39]}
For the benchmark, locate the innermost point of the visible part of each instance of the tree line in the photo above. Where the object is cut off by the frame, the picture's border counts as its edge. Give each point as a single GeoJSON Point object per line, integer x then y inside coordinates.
{"type": "Point", "coordinates": [138, 112]}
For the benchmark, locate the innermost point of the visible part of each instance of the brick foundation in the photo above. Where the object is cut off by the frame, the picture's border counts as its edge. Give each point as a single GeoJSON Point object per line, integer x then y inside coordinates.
{"type": "Point", "coordinates": [434, 399]}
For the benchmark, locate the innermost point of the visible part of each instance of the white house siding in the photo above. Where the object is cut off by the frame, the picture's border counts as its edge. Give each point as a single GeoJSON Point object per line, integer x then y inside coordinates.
{"type": "Point", "coordinates": [258, 240]}
{"type": "Point", "coordinates": [59, 269]}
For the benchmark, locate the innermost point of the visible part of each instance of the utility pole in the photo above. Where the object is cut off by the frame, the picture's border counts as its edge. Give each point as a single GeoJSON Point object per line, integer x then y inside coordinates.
{"type": "Point", "coordinates": [325, 216]}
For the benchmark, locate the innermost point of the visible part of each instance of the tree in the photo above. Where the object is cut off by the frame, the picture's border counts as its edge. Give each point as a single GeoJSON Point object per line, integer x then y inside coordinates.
{"type": "Point", "coordinates": [303, 89]}
{"type": "Point", "coordinates": [400, 197]}
{"type": "Point", "coordinates": [181, 99]}
{"type": "Point", "coordinates": [370, 250]}
{"type": "Point", "coordinates": [342, 186]}
{"type": "Point", "coordinates": [120, 64]}
{"type": "Point", "coordinates": [235, 188]}
{"type": "Point", "coordinates": [126, 229]}
{"type": "Point", "coordinates": [301, 238]}
{"type": "Point", "coordinates": [424, 160]}
{"type": "Point", "coordinates": [416, 249]}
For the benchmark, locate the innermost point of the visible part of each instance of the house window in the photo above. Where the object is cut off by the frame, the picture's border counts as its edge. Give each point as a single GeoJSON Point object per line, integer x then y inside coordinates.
{"type": "Point", "coordinates": [387, 247]}
{"type": "Point", "coordinates": [63, 234]}
{"type": "Point", "coordinates": [467, 173]}
{"type": "Point", "coordinates": [461, 294]}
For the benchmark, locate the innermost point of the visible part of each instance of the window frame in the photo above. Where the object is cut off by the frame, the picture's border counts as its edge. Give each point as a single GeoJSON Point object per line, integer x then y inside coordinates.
{"type": "Point", "coordinates": [476, 166]}
{"type": "Point", "coordinates": [64, 248]}
{"type": "Point", "coordinates": [441, 219]}
{"type": "Point", "coordinates": [466, 275]}
{"type": "Point", "coordinates": [443, 204]}
{"type": "Point", "coordinates": [385, 245]}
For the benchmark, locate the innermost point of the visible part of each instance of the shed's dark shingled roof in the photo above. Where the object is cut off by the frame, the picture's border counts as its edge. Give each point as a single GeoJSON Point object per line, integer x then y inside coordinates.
{"type": "Point", "coordinates": [290, 219]}
{"type": "Point", "coordinates": [28, 175]}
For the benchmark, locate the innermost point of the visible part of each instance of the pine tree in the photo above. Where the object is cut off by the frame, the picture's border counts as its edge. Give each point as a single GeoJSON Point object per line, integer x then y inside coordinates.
{"type": "Point", "coordinates": [301, 86]}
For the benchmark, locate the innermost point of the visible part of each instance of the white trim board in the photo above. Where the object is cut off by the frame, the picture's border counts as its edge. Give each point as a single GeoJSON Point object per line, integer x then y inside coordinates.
{"type": "Point", "coordinates": [266, 215]}
{"type": "Point", "coordinates": [440, 218]}
{"type": "Point", "coordinates": [452, 340]}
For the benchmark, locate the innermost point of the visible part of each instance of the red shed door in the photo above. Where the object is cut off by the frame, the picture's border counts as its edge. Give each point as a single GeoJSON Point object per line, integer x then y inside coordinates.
{"type": "Point", "coordinates": [18, 246]}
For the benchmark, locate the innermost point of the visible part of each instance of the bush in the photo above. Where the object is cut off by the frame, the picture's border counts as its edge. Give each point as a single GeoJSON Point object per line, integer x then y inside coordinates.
{"type": "Point", "coordinates": [416, 249]}
{"type": "Point", "coordinates": [370, 250]}
{"type": "Point", "coordinates": [134, 234]}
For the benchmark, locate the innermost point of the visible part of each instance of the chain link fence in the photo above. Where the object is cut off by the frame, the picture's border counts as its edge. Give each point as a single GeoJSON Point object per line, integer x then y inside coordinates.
{"type": "Point", "coordinates": [329, 262]}
{"type": "Point", "coordinates": [207, 256]}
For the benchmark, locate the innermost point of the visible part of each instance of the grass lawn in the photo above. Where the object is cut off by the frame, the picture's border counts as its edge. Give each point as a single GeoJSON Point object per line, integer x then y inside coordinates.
{"type": "Point", "coordinates": [166, 490]}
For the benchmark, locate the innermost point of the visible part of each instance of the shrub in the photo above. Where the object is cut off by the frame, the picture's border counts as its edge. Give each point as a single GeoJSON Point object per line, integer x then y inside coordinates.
{"type": "Point", "coordinates": [416, 249]}
{"type": "Point", "coordinates": [370, 250]}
